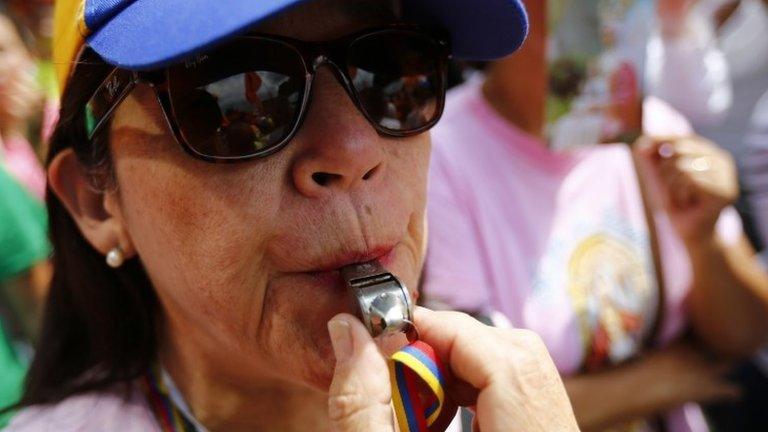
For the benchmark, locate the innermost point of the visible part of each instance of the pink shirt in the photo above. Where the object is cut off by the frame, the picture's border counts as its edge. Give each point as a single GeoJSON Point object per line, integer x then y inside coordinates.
{"type": "Point", "coordinates": [557, 242]}
{"type": "Point", "coordinates": [122, 408]}
{"type": "Point", "coordinates": [18, 157]}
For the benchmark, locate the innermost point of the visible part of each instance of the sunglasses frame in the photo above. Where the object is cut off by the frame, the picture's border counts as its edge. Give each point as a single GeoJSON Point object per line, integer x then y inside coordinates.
{"type": "Point", "coordinates": [121, 82]}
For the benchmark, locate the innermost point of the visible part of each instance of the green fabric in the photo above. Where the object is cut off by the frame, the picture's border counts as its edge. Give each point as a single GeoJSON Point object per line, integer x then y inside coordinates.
{"type": "Point", "coordinates": [23, 242]}
{"type": "Point", "coordinates": [23, 228]}
{"type": "Point", "coordinates": [12, 373]}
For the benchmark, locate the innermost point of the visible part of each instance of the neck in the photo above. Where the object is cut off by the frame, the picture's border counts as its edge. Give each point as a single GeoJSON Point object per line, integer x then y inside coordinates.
{"type": "Point", "coordinates": [516, 87]}
{"type": "Point", "coordinates": [224, 398]}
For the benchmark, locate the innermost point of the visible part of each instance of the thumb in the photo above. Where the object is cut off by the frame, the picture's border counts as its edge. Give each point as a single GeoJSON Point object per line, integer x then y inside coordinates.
{"type": "Point", "coordinates": [360, 393]}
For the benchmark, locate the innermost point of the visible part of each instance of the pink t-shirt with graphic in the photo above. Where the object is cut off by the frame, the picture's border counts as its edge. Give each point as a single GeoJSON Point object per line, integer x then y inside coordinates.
{"type": "Point", "coordinates": [557, 242]}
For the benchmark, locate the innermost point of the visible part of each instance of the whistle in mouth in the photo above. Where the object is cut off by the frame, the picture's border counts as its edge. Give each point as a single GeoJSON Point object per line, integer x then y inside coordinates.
{"type": "Point", "coordinates": [384, 301]}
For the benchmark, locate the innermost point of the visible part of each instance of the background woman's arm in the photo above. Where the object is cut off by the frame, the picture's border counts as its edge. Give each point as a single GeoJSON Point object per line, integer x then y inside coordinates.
{"type": "Point", "coordinates": [728, 303]}
{"type": "Point", "coordinates": [647, 387]}
{"type": "Point", "coordinates": [695, 181]}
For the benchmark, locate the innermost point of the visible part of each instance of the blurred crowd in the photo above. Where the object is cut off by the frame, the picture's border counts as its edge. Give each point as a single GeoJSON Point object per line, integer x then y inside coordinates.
{"type": "Point", "coordinates": [593, 245]}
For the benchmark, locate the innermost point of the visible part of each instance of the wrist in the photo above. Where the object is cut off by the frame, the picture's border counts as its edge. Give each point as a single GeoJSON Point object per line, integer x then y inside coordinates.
{"type": "Point", "coordinates": [651, 373]}
{"type": "Point", "coordinates": [705, 250]}
{"type": "Point", "coordinates": [699, 233]}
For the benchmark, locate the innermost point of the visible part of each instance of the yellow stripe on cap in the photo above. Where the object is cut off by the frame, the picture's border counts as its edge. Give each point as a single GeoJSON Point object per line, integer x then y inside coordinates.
{"type": "Point", "coordinates": [69, 33]}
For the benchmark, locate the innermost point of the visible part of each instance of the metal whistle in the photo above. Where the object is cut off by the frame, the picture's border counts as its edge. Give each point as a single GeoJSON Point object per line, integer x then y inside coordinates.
{"type": "Point", "coordinates": [384, 301]}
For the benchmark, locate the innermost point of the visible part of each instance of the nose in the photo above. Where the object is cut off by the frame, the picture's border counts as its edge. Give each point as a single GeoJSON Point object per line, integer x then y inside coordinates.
{"type": "Point", "coordinates": [337, 149]}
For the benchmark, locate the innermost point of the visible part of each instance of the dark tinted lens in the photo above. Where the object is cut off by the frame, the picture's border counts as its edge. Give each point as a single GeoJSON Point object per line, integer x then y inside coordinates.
{"type": "Point", "coordinates": [398, 78]}
{"type": "Point", "coordinates": [239, 101]}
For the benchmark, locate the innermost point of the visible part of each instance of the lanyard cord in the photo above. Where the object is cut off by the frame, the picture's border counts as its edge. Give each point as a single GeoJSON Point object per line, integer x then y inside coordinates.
{"type": "Point", "coordinates": [168, 415]}
{"type": "Point", "coordinates": [414, 412]}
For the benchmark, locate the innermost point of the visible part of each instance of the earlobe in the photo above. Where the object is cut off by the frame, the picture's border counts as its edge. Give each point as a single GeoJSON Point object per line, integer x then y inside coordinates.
{"type": "Point", "coordinates": [95, 212]}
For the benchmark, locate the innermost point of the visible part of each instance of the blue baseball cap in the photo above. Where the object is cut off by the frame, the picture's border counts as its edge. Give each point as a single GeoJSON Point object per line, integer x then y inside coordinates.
{"type": "Point", "coordinates": [148, 34]}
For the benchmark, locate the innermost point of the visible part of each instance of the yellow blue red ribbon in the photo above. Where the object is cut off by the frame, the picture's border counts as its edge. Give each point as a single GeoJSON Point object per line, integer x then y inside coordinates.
{"type": "Point", "coordinates": [167, 414]}
{"type": "Point", "coordinates": [415, 411]}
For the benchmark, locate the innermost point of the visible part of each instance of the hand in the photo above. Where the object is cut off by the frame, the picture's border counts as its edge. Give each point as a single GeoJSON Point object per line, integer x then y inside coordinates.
{"type": "Point", "coordinates": [697, 180]}
{"type": "Point", "coordinates": [506, 375]}
{"type": "Point", "coordinates": [684, 373]}
{"type": "Point", "coordinates": [671, 14]}
{"type": "Point", "coordinates": [674, 9]}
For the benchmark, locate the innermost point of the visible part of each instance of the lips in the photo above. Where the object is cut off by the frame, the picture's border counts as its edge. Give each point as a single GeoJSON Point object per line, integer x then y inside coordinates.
{"type": "Point", "coordinates": [329, 270]}
{"type": "Point", "coordinates": [335, 263]}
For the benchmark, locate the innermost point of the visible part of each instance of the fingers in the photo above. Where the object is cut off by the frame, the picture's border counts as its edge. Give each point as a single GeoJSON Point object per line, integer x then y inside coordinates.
{"type": "Point", "coordinates": [715, 386]}
{"type": "Point", "coordinates": [721, 391]}
{"type": "Point", "coordinates": [360, 394]}
{"type": "Point", "coordinates": [692, 171]}
{"type": "Point", "coordinates": [507, 368]}
{"type": "Point", "coordinates": [689, 374]}
{"type": "Point", "coordinates": [449, 333]}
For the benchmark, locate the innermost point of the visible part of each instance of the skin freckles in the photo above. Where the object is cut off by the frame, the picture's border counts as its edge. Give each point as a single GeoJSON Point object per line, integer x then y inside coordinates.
{"type": "Point", "coordinates": [236, 251]}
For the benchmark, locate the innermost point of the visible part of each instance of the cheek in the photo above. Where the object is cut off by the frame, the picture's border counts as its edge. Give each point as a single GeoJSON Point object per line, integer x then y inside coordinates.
{"type": "Point", "coordinates": [206, 235]}
{"type": "Point", "coordinates": [201, 237]}
{"type": "Point", "coordinates": [411, 169]}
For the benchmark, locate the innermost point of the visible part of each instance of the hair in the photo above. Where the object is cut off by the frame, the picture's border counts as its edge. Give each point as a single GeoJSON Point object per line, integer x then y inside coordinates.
{"type": "Point", "coordinates": [99, 323]}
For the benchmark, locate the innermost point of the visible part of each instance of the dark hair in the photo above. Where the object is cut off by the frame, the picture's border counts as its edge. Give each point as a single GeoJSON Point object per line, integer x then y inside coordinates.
{"type": "Point", "coordinates": [99, 324]}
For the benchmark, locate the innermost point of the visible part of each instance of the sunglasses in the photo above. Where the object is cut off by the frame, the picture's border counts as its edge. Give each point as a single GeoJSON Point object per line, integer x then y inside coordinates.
{"type": "Point", "coordinates": [248, 98]}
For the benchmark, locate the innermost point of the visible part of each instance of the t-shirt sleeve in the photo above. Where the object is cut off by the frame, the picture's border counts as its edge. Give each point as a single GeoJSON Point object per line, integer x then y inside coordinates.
{"type": "Point", "coordinates": [23, 228]}
{"type": "Point", "coordinates": [454, 274]}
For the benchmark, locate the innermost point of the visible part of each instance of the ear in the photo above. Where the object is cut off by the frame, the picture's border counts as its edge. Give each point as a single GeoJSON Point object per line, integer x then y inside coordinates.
{"type": "Point", "coordinates": [97, 213]}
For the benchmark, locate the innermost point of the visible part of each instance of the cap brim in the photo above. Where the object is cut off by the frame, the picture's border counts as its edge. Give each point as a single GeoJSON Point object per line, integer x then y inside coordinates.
{"type": "Point", "coordinates": [149, 34]}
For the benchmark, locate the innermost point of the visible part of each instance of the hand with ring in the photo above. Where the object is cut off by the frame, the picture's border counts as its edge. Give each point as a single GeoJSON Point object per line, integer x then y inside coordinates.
{"type": "Point", "coordinates": [696, 180]}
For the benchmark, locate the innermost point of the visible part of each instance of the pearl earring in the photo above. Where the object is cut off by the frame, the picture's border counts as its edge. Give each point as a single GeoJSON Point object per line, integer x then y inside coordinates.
{"type": "Point", "coordinates": [115, 257]}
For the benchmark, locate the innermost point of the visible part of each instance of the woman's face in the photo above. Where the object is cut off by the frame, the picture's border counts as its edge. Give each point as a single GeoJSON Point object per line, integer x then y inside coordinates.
{"type": "Point", "coordinates": [245, 257]}
{"type": "Point", "coordinates": [19, 92]}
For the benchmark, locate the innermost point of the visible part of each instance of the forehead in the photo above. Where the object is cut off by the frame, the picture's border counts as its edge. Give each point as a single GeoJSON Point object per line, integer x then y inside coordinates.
{"type": "Point", "coordinates": [324, 19]}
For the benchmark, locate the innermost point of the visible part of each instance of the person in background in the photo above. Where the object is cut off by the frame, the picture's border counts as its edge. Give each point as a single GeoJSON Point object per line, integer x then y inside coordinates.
{"type": "Point", "coordinates": [34, 18]}
{"type": "Point", "coordinates": [685, 66]}
{"type": "Point", "coordinates": [610, 256]}
{"type": "Point", "coordinates": [667, 45]}
{"type": "Point", "coordinates": [741, 34]}
{"type": "Point", "coordinates": [749, 413]}
{"type": "Point", "coordinates": [24, 251]}
{"type": "Point", "coordinates": [24, 267]}
{"type": "Point", "coordinates": [20, 99]}
{"type": "Point", "coordinates": [755, 168]}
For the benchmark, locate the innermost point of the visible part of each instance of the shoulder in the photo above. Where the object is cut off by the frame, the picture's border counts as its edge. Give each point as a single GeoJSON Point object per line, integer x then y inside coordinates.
{"type": "Point", "coordinates": [122, 407]}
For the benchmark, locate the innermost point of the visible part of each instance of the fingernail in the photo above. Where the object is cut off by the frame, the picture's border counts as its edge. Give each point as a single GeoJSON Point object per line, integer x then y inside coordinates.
{"type": "Point", "coordinates": [341, 338]}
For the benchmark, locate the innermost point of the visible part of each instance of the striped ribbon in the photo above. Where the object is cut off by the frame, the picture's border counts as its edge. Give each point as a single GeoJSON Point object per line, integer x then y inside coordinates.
{"type": "Point", "coordinates": [417, 362]}
{"type": "Point", "coordinates": [415, 411]}
{"type": "Point", "coordinates": [168, 416]}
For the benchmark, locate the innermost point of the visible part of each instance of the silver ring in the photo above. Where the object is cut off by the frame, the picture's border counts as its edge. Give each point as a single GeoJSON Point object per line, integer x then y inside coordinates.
{"type": "Point", "coordinates": [701, 164]}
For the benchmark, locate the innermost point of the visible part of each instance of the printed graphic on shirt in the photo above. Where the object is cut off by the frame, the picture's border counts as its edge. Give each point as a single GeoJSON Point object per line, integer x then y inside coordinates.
{"type": "Point", "coordinates": [606, 272]}
{"type": "Point", "coordinates": [608, 285]}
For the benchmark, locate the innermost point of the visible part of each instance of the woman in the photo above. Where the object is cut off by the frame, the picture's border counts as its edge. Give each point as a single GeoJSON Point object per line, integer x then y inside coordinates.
{"type": "Point", "coordinates": [20, 97]}
{"type": "Point", "coordinates": [207, 286]}
{"type": "Point", "coordinates": [610, 258]}
{"type": "Point", "coordinates": [23, 251]}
